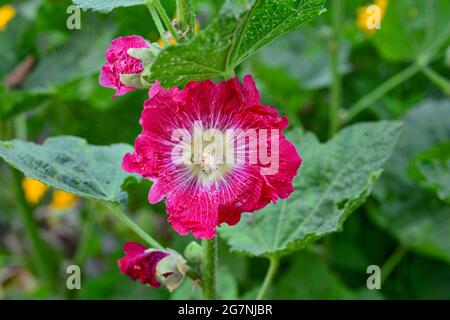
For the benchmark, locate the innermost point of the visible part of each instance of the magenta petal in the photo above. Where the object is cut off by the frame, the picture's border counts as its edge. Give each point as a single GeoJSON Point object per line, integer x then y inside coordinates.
{"type": "Point", "coordinates": [155, 195]}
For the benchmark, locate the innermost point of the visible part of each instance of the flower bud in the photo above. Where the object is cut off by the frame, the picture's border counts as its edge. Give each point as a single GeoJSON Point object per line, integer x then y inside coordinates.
{"type": "Point", "coordinates": [171, 270]}
{"type": "Point", "coordinates": [153, 267]}
{"type": "Point", "coordinates": [121, 66]}
{"type": "Point", "coordinates": [193, 252]}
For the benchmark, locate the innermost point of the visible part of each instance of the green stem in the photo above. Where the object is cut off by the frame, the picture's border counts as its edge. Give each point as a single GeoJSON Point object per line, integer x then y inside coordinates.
{"type": "Point", "coordinates": [159, 26]}
{"type": "Point", "coordinates": [380, 91]}
{"type": "Point", "coordinates": [186, 16]}
{"type": "Point", "coordinates": [392, 262]}
{"type": "Point", "coordinates": [229, 75]}
{"type": "Point", "coordinates": [87, 232]}
{"type": "Point", "coordinates": [118, 211]}
{"type": "Point", "coordinates": [209, 268]}
{"type": "Point", "coordinates": [437, 79]}
{"type": "Point", "coordinates": [336, 85]}
{"type": "Point", "coordinates": [39, 252]}
{"type": "Point", "coordinates": [271, 272]}
{"type": "Point", "coordinates": [20, 126]}
{"type": "Point", "coordinates": [166, 20]}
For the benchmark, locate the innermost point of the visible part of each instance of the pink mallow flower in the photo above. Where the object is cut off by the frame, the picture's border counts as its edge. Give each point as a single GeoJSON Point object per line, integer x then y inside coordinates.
{"type": "Point", "coordinates": [201, 189]}
{"type": "Point", "coordinates": [153, 266]}
{"type": "Point", "coordinates": [119, 62]}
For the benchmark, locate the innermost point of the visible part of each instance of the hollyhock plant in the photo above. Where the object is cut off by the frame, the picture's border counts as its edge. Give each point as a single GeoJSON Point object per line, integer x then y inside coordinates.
{"type": "Point", "coordinates": [153, 267]}
{"type": "Point", "coordinates": [119, 63]}
{"type": "Point", "coordinates": [204, 191]}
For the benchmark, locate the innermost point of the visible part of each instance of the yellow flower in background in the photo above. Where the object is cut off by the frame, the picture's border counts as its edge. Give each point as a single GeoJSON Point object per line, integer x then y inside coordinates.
{"type": "Point", "coordinates": [7, 13]}
{"type": "Point", "coordinates": [172, 41]}
{"type": "Point", "coordinates": [366, 19]}
{"type": "Point", "coordinates": [34, 190]}
{"type": "Point", "coordinates": [169, 38]}
{"type": "Point", "coordinates": [62, 200]}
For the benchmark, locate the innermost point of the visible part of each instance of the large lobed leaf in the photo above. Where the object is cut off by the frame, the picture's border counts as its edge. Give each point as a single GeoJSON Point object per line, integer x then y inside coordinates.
{"type": "Point", "coordinates": [242, 28]}
{"type": "Point", "coordinates": [334, 179]}
{"type": "Point", "coordinates": [431, 169]}
{"type": "Point", "coordinates": [106, 6]}
{"type": "Point", "coordinates": [70, 164]}
{"type": "Point", "coordinates": [413, 215]}
{"type": "Point", "coordinates": [413, 29]}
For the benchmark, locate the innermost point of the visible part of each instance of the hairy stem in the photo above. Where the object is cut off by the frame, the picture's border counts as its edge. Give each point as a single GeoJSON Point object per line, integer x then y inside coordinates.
{"type": "Point", "coordinates": [151, 7]}
{"type": "Point", "coordinates": [271, 272]}
{"type": "Point", "coordinates": [336, 85]}
{"type": "Point", "coordinates": [209, 268]}
{"type": "Point", "coordinates": [120, 214]}
{"type": "Point", "coordinates": [186, 16]}
{"type": "Point", "coordinates": [380, 91]}
{"type": "Point", "coordinates": [166, 20]}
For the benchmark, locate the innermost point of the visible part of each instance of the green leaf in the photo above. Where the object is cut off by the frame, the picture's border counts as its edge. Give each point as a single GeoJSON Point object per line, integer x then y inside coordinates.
{"type": "Point", "coordinates": [242, 28]}
{"type": "Point", "coordinates": [301, 56]}
{"type": "Point", "coordinates": [411, 214]}
{"type": "Point", "coordinates": [70, 164]}
{"type": "Point", "coordinates": [106, 6]}
{"type": "Point", "coordinates": [309, 277]}
{"type": "Point", "coordinates": [413, 29]}
{"type": "Point", "coordinates": [417, 278]}
{"type": "Point", "coordinates": [81, 56]}
{"type": "Point", "coordinates": [335, 178]}
{"type": "Point", "coordinates": [431, 169]}
{"type": "Point", "coordinates": [16, 101]}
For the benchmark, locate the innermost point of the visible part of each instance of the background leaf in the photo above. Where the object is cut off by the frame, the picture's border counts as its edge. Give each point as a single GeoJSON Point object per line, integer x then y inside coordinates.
{"type": "Point", "coordinates": [81, 57]}
{"type": "Point", "coordinates": [411, 214]}
{"type": "Point", "coordinates": [334, 179]}
{"type": "Point", "coordinates": [303, 56]}
{"type": "Point", "coordinates": [70, 164]}
{"type": "Point", "coordinates": [433, 169]}
{"type": "Point", "coordinates": [309, 277]}
{"type": "Point", "coordinates": [413, 29]}
{"type": "Point", "coordinates": [241, 28]}
{"type": "Point", "coordinates": [106, 6]}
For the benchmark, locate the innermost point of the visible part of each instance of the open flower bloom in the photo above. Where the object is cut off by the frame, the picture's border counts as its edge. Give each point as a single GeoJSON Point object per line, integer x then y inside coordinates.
{"type": "Point", "coordinates": [213, 151]}
{"type": "Point", "coordinates": [119, 62]}
{"type": "Point", "coordinates": [153, 267]}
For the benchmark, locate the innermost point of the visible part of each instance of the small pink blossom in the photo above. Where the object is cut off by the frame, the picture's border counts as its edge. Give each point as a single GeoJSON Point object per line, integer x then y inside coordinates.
{"type": "Point", "coordinates": [140, 264]}
{"type": "Point", "coordinates": [153, 267]}
{"type": "Point", "coordinates": [118, 62]}
{"type": "Point", "coordinates": [200, 196]}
